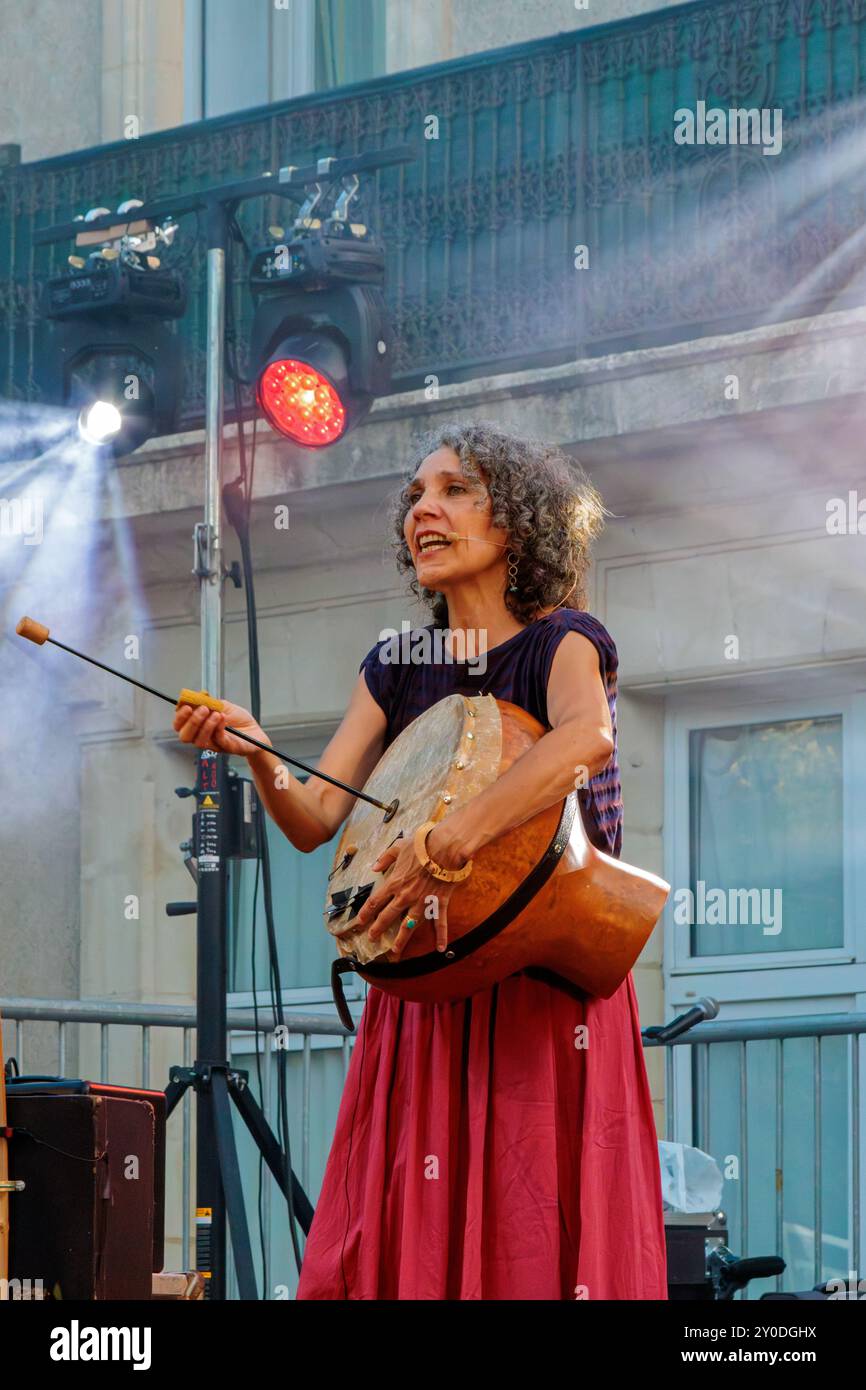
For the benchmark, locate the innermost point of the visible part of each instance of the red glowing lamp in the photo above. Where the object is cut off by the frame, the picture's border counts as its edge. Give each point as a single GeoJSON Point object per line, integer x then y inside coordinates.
{"type": "Point", "coordinates": [301, 403]}
{"type": "Point", "coordinates": [320, 359]}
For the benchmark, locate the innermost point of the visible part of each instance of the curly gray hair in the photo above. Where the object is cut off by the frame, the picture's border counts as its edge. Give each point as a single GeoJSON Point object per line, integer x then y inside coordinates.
{"type": "Point", "coordinates": [545, 502]}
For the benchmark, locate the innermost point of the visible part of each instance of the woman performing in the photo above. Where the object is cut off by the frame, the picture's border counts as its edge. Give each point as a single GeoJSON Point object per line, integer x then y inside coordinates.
{"type": "Point", "coordinates": [502, 1147]}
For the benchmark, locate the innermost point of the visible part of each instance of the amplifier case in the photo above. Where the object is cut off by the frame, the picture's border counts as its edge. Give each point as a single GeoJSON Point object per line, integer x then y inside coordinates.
{"type": "Point", "coordinates": [84, 1223]}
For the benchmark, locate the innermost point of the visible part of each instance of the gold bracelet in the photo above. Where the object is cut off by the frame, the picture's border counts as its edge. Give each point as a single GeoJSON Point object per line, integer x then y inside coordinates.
{"type": "Point", "coordinates": [444, 875]}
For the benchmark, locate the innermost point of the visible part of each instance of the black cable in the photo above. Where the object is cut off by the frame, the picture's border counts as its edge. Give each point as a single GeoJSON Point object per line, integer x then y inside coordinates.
{"type": "Point", "coordinates": [240, 524]}
{"type": "Point", "coordinates": [261, 828]}
{"type": "Point", "coordinates": [231, 353]}
{"type": "Point", "coordinates": [19, 1132]}
{"type": "Point", "coordinates": [238, 500]}
{"type": "Point", "coordinates": [260, 1201]}
{"type": "Point", "coordinates": [238, 233]}
{"type": "Point", "coordinates": [182, 261]}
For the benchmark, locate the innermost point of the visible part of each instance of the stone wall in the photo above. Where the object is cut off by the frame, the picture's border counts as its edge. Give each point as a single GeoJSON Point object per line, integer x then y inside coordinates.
{"type": "Point", "coordinates": [419, 33]}
{"type": "Point", "coordinates": [75, 71]}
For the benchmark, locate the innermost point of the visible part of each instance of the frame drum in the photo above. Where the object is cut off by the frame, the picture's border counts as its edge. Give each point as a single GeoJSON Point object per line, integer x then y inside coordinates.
{"type": "Point", "coordinates": [541, 896]}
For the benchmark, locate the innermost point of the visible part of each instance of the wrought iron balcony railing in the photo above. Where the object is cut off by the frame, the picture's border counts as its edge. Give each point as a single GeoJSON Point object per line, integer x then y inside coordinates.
{"type": "Point", "coordinates": [523, 155]}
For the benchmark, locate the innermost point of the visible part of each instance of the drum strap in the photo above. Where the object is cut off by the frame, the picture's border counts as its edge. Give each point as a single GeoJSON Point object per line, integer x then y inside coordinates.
{"type": "Point", "coordinates": [498, 920]}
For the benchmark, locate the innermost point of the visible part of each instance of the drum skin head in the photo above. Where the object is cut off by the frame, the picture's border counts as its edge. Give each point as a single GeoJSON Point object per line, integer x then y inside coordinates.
{"type": "Point", "coordinates": [440, 761]}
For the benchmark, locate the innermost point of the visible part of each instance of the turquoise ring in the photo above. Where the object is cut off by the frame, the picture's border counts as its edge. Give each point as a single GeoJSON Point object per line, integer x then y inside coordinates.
{"type": "Point", "coordinates": [409, 923]}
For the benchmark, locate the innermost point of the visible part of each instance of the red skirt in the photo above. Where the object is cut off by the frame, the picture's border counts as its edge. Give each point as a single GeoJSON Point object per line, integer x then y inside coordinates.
{"type": "Point", "coordinates": [499, 1148]}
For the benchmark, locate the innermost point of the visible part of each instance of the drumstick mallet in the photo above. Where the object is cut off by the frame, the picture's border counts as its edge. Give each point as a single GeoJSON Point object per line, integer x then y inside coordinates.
{"type": "Point", "coordinates": [38, 633]}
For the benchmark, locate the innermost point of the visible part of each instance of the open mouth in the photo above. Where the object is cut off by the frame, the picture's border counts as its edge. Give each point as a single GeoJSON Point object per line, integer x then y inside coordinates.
{"type": "Point", "coordinates": [429, 541]}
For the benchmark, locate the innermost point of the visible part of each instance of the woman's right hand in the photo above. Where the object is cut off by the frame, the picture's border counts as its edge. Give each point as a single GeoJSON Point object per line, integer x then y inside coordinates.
{"type": "Point", "coordinates": [205, 728]}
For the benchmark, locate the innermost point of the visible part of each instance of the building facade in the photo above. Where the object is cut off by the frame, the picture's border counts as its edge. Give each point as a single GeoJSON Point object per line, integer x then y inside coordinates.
{"type": "Point", "coordinates": [683, 317]}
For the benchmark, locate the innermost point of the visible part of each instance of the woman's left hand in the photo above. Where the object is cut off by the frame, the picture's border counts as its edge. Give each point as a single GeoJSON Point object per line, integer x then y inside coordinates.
{"type": "Point", "coordinates": [409, 892]}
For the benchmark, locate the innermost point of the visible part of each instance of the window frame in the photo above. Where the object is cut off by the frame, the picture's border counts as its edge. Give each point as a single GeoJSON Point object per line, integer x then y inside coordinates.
{"type": "Point", "coordinates": [761, 985]}
{"type": "Point", "coordinates": [292, 57]}
{"type": "Point", "coordinates": [688, 714]}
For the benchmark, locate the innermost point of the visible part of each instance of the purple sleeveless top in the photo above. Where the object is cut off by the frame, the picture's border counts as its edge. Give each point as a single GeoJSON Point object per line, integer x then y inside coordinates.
{"type": "Point", "coordinates": [517, 670]}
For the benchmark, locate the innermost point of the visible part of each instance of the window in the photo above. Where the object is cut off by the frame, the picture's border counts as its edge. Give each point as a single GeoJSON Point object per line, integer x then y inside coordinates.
{"type": "Point", "coordinates": [760, 827]}
{"type": "Point", "coordinates": [765, 805]}
{"type": "Point", "coordinates": [350, 41]}
{"type": "Point", "coordinates": [246, 54]}
{"type": "Point", "coordinates": [766, 799]}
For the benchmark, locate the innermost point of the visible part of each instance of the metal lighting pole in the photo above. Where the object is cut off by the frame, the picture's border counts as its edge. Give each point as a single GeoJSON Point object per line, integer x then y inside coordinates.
{"type": "Point", "coordinates": [211, 582]}
{"type": "Point", "coordinates": [211, 953]}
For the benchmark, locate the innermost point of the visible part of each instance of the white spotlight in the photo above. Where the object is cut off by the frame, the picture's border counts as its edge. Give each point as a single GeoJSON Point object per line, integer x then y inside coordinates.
{"type": "Point", "coordinates": [99, 422]}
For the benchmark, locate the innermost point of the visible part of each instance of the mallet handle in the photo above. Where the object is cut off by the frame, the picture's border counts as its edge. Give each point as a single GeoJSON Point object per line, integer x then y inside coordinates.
{"type": "Point", "coordinates": [200, 697]}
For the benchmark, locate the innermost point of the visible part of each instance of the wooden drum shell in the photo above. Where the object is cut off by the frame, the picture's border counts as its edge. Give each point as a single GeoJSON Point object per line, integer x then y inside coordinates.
{"type": "Point", "coordinates": [588, 923]}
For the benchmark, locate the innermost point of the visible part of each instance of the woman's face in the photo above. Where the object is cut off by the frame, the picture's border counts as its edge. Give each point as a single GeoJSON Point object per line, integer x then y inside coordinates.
{"type": "Point", "coordinates": [442, 500]}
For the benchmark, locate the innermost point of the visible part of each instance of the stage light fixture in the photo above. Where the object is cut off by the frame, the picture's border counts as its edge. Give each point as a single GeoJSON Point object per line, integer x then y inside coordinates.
{"type": "Point", "coordinates": [123, 391]}
{"type": "Point", "coordinates": [319, 344]}
{"type": "Point", "coordinates": [108, 349]}
{"type": "Point", "coordinates": [99, 422]}
{"type": "Point", "coordinates": [299, 400]}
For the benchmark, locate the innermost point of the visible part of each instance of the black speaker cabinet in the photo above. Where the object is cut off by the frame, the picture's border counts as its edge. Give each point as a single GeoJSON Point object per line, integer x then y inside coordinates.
{"type": "Point", "coordinates": [89, 1222]}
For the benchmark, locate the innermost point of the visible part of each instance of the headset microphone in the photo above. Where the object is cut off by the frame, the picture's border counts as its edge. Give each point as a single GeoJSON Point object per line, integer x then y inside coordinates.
{"type": "Point", "coordinates": [454, 536]}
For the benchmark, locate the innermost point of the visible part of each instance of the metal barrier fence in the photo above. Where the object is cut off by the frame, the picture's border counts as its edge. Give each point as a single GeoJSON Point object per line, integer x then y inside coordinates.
{"type": "Point", "coordinates": [66, 1015]}
{"type": "Point", "coordinates": [690, 1118]}
{"type": "Point", "coordinates": [782, 1033]}
{"type": "Point", "coordinates": [525, 154]}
